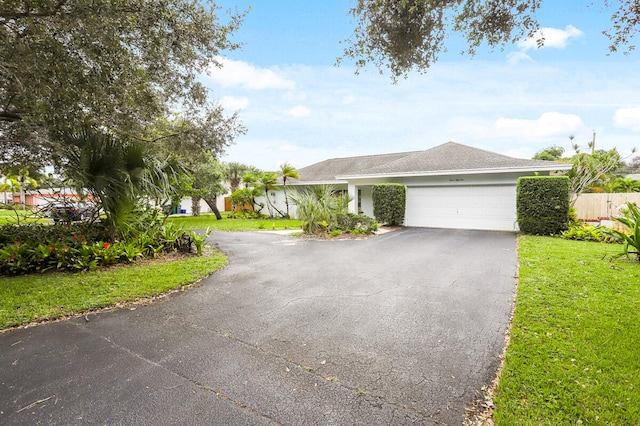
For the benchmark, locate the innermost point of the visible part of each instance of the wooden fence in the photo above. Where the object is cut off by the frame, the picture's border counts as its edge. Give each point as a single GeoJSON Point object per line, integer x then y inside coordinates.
{"type": "Point", "coordinates": [594, 207]}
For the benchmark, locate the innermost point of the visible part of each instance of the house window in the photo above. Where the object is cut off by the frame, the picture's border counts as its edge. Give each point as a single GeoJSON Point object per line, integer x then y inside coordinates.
{"type": "Point", "coordinates": [359, 201]}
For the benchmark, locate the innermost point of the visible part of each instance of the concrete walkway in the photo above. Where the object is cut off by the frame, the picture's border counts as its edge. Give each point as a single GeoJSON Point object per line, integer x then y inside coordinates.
{"type": "Point", "coordinates": [402, 328]}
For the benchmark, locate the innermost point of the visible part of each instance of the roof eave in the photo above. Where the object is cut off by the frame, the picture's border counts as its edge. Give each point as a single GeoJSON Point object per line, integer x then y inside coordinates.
{"type": "Point", "coordinates": [320, 182]}
{"type": "Point", "coordinates": [559, 167]}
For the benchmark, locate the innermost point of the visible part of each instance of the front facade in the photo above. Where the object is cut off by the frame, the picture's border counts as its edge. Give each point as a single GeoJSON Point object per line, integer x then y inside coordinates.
{"type": "Point", "coordinates": [448, 186]}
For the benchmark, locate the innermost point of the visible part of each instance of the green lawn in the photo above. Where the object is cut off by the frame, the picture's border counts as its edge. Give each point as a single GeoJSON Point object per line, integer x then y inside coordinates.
{"type": "Point", "coordinates": [208, 220]}
{"type": "Point", "coordinates": [37, 297]}
{"type": "Point", "coordinates": [13, 216]}
{"type": "Point", "coordinates": [574, 355]}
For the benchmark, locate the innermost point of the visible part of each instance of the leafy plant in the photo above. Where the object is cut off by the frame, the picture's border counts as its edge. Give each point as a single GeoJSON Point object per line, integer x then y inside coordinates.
{"type": "Point", "coordinates": [630, 240]}
{"type": "Point", "coordinates": [356, 223]}
{"type": "Point", "coordinates": [588, 233]}
{"type": "Point", "coordinates": [199, 240]}
{"type": "Point", "coordinates": [316, 206]}
{"type": "Point", "coordinates": [131, 252]}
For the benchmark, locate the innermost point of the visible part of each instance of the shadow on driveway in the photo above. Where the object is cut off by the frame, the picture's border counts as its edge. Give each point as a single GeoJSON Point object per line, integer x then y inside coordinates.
{"type": "Point", "coordinates": [402, 328]}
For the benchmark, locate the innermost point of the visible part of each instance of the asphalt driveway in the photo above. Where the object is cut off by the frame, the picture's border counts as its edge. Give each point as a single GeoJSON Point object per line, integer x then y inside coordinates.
{"type": "Point", "coordinates": [402, 328]}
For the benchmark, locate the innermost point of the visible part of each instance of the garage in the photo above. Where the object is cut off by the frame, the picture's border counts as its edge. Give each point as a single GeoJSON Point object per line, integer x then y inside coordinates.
{"type": "Point", "coordinates": [488, 207]}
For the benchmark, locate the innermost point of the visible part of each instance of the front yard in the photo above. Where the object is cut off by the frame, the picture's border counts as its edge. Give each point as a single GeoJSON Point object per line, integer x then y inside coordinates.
{"type": "Point", "coordinates": [208, 220]}
{"type": "Point", "coordinates": [574, 351]}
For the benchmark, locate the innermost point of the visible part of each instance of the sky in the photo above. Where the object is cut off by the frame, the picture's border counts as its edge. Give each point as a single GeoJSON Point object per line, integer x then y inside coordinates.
{"type": "Point", "coordinates": [298, 107]}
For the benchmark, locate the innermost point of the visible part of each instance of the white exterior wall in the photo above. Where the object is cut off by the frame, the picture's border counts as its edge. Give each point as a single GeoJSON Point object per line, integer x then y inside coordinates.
{"type": "Point", "coordinates": [277, 200]}
{"type": "Point", "coordinates": [186, 205]}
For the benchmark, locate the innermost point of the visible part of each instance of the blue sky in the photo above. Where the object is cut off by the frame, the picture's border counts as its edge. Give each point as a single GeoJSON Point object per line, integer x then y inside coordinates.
{"type": "Point", "coordinates": [299, 108]}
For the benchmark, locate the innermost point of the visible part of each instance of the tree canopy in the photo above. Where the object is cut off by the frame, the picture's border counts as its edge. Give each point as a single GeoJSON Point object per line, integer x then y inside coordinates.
{"type": "Point", "coordinates": [406, 35]}
{"type": "Point", "coordinates": [116, 64]}
{"type": "Point", "coordinates": [552, 153]}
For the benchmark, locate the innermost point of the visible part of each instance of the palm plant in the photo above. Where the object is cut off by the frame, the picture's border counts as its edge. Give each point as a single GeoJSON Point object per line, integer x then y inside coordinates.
{"type": "Point", "coordinates": [268, 181]}
{"type": "Point", "coordinates": [316, 207]}
{"type": "Point", "coordinates": [630, 240]}
{"type": "Point", "coordinates": [9, 184]}
{"type": "Point", "coordinates": [234, 172]}
{"type": "Point", "coordinates": [116, 173]}
{"type": "Point", "coordinates": [287, 171]}
{"type": "Point", "coordinates": [22, 181]}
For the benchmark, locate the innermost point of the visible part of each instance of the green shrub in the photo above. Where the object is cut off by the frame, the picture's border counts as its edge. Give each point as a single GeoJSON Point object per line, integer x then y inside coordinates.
{"type": "Point", "coordinates": [543, 204]}
{"type": "Point", "coordinates": [247, 214]}
{"type": "Point", "coordinates": [351, 222]}
{"type": "Point", "coordinates": [316, 207]}
{"type": "Point", "coordinates": [587, 233]}
{"type": "Point", "coordinates": [389, 202]}
{"type": "Point", "coordinates": [39, 248]}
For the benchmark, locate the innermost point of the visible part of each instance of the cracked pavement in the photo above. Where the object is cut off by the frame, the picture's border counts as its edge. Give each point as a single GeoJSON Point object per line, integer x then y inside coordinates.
{"type": "Point", "coordinates": [402, 328]}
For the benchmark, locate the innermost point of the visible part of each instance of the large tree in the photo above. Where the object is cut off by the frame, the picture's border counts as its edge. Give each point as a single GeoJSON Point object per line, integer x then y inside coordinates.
{"type": "Point", "coordinates": [207, 185]}
{"type": "Point", "coordinates": [117, 64]}
{"type": "Point", "coordinates": [405, 35]}
{"type": "Point", "coordinates": [552, 153]}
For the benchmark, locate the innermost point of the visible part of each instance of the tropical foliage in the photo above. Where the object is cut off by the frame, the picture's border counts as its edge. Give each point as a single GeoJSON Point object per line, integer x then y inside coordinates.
{"type": "Point", "coordinates": [82, 246]}
{"type": "Point", "coordinates": [287, 171]}
{"type": "Point", "coordinates": [630, 240]}
{"type": "Point", "coordinates": [323, 209]}
{"type": "Point", "coordinates": [585, 232]}
{"type": "Point", "coordinates": [116, 174]}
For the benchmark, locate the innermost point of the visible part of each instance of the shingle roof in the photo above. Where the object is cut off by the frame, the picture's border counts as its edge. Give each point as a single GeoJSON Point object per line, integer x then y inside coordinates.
{"type": "Point", "coordinates": [450, 156]}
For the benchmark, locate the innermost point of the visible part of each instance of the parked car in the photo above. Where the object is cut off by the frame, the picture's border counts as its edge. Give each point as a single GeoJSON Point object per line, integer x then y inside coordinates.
{"type": "Point", "coordinates": [68, 212]}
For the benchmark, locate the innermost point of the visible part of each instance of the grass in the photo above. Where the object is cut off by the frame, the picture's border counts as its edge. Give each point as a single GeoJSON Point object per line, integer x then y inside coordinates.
{"type": "Point", "coordinates": [208, 220]}
{"type": "Point", "coordinates": [24, 216]}
{"type": "Point", "coordinates": [574, 356]}
{"type": "Point", "coordinates": [38, 297]}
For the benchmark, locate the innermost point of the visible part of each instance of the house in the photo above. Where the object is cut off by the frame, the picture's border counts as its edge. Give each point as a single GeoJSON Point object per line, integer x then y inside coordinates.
{"type": "Point", "coordinates": [448, 186]}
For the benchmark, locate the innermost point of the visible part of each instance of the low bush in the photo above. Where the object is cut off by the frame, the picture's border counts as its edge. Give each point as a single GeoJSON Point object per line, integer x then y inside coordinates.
{"type": "Point", "coordinates": [76, 247]}
{"type": "Point", "coordinates": [355, 223]}
{"type": "Point", "coordinates": [247, 214]}
{"type": "Point", "coordinates": [582, 232]}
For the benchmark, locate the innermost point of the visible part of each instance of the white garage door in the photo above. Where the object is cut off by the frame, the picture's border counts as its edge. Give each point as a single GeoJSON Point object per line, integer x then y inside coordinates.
{"type": "Point", "coordinates": [491, 207]}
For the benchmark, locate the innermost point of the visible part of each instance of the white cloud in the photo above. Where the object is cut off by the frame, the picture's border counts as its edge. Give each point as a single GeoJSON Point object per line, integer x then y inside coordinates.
{"type": "Point", "coordinates": [298, 111]}
{"type": "Point", "coordinates": [516, 57]}
{"type": "Point", "coordinates": [549, 124]}
{"type": "Point", "coordinates": [628, 118]}
{"type": "Point", "coordinates": [552, 37]}
{"type": "Point", "coordinates": [245, 75]}
{"type": "Point", "coordinates": [234, 103]}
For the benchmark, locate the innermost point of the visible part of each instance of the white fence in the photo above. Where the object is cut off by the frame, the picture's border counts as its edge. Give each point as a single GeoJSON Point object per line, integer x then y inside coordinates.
{"type": "Point", "coordinates": [594, 207]}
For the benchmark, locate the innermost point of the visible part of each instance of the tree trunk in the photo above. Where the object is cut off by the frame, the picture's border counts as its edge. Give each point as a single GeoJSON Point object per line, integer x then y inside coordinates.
{"type": "Point", "coordinates": [212, 203]}
{"type": "Point", "coordinates": [286, 199]}
{"type": "Point", "coordinates": [195, 205]}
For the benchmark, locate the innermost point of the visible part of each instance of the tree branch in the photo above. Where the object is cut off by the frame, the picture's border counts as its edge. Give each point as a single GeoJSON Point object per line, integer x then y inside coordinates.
{"type": "Point", "coordinates": [10, 116]}
{"type": "Point", "coordinates": [7, 14]}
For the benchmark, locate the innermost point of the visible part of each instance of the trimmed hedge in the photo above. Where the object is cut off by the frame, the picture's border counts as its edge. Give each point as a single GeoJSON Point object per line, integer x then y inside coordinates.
{"type": "Point", "coordinates": [543, 204]}
{"type": "Point", "coordinates": [389, 200]}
